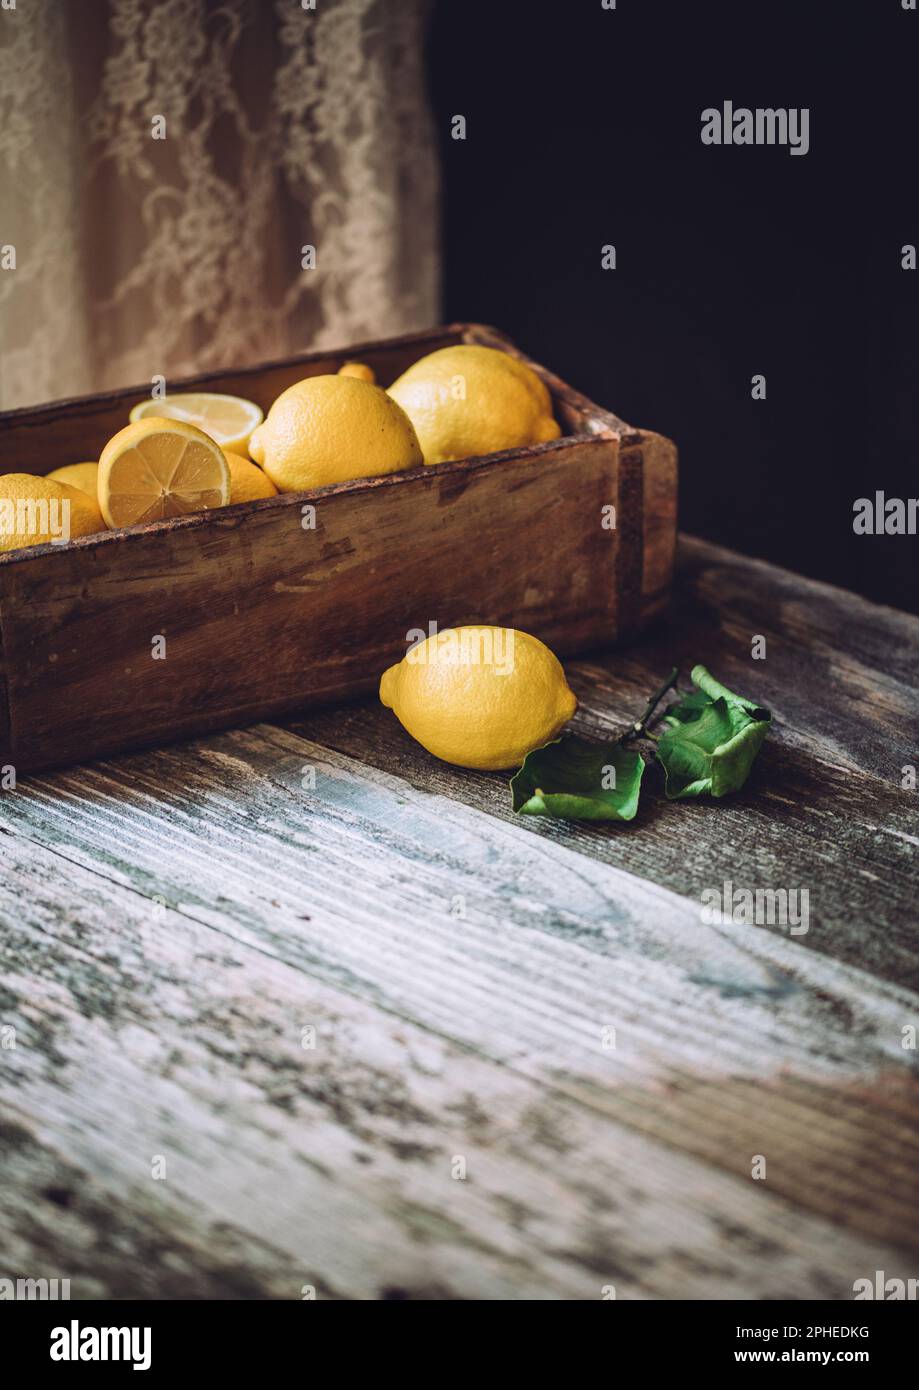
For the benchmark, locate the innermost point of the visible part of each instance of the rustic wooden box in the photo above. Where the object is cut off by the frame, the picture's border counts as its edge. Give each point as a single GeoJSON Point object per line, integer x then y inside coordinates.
{"type": "Point", "coordinates": [262, 617]}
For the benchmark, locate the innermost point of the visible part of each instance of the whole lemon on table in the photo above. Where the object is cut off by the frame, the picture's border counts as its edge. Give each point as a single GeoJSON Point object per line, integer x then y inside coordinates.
{"type": "Point", "coordinates": [329, 429]}
{"type": "Point", "coordinates": [81, 475]}
{"type": "Point", "coordinates": [468, 400]}
{"type": "Point", "coordinates": [31, 511]}
{"type": "Point", "coordinates": [480, 697]}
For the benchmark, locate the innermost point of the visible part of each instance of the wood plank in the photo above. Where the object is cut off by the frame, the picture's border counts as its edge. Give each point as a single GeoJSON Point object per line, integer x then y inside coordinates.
{"type": "Point", "coordinates": [143, 1032]}
{"type": "Point", "coordinates": [731, 1040]}
{"type": "Point", "coordinates": [841, 674]}
{"type": "Point", "coordinates": [799, 823]}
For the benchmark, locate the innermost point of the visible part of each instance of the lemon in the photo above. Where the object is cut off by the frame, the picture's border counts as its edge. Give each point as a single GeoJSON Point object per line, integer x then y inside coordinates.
{"type": "Point", "coordinates": [359, 370]}
{"type": "Point", "coordinates": [34, 511]}
{"type": "Point", "coordinates": [327, 429]}
{"type": "Point", "coordinates": [229, 420]}
{"type": "Point", "coordinates": [479, 697]}
{"type": "Point", "coordinates": [468, 400]}
{"type": "Point", "coordinates": [247, 481]}
{"type": "Point", "coordinates": [160, 468]}
{"type": "Point", "coordinates": [81, 475]}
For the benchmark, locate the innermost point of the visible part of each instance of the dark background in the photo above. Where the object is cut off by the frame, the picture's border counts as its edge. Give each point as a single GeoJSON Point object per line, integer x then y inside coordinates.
{"type": "Point", "coordinates": [583, 128]}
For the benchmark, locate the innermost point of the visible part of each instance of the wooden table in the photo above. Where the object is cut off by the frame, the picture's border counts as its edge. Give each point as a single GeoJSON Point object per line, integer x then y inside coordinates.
{"type": "Point", "coordinates": [357, 1036]}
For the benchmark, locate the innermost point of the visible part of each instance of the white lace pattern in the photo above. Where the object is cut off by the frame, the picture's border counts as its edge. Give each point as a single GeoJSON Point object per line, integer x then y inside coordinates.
{"type": "Point", "coordinates": [284, 127]}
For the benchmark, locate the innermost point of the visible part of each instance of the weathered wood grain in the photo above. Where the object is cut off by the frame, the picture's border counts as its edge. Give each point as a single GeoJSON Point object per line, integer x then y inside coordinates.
{"type": "Point", "coordinates": [842, 673]}
{"type": "Point", "coordinates": [731, 1040]}
{"type": "Point", "coordinates": [799, 824]}
{"type": "Point", "coordinates": [142, 1032]}
{"type": "Point", "coordinates": [171, 920]}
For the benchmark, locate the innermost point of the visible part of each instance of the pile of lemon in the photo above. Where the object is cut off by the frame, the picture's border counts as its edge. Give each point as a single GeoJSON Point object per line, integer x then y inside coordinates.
{"type": "Point", "coordinates": [194, 451]}
{"type": "Point", "coordinates": [482, 697]}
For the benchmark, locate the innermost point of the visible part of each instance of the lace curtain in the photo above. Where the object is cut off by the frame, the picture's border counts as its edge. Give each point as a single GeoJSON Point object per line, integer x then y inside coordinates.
{"type": "Point", "coordinates": [284, 127]}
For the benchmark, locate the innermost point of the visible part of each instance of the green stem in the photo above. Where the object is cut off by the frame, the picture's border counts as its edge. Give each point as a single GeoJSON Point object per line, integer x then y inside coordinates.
{"type": "Point", "coordinates": [639, 729]}
{"type": "Point", "coordinates": [701, 677]}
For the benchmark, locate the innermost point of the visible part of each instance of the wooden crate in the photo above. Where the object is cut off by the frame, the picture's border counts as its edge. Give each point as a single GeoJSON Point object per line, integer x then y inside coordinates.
{"type": "Point", "coordinates": [262, 616]}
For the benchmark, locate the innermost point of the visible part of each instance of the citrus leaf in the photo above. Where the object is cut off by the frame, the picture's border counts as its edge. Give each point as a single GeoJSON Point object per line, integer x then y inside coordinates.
{"type": "Point", "coordinates": [711, 739]}
{"type": "Point", "coordinates": [575, 779]}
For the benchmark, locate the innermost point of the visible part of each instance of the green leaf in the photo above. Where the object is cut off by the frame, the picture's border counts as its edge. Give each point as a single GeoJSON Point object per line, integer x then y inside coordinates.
{"type": "Point", "coordinates": [575, 779]}
{"type": "Point", "coordinates": [711, 739]}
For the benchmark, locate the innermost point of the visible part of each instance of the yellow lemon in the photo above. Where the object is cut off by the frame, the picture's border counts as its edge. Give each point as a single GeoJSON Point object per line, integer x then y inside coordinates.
{"type": "Point", "coordinates": [34, 511]}
{"type": "Point", "coordinates": [247, 481]}
{"type": "Point", "coordinates": [468, 400]}
{"type": "Point", "coordinates": [327, 429]}
{"type": "Point", "coordinates": [359, 370]}
{"type": "Point", "coordinates": [479, 697]}
{"type": "Point", "coordinates": [81, 475]}
{"type": "Point", "coordinates": [160, 468]}
{"type": "Point", "coordinates": [229, 420]}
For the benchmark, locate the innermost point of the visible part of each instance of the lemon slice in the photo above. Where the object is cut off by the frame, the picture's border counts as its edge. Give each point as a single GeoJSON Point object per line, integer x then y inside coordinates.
{"type": "Point", "coordinates": [229, 420]}
{"type": "Point", "coordinates": [160, 468]}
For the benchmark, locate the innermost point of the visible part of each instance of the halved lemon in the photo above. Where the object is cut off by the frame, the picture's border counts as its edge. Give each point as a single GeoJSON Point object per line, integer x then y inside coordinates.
{"type": "Point", "coordinates": [229, 420]}
{"type": "Point", "coordinates": [159, 468]}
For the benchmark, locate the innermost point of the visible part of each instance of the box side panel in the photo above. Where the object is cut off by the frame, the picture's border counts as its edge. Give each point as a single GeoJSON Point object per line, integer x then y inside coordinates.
{"type": "Point", "coordinates": [251, 615]}
{"type": "Point", "coordinates": [659, 521]}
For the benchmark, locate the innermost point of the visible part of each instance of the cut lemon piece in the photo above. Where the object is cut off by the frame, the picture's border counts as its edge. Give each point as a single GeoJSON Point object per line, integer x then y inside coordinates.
{"type": "Point", "coordinates": [229, 420]}
{"type": "Point", "coordinates": [159, 468]}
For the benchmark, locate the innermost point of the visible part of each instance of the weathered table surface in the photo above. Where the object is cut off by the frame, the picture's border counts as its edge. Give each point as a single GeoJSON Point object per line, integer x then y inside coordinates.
{"type": "Point", "coordinates": [262, 1028]}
